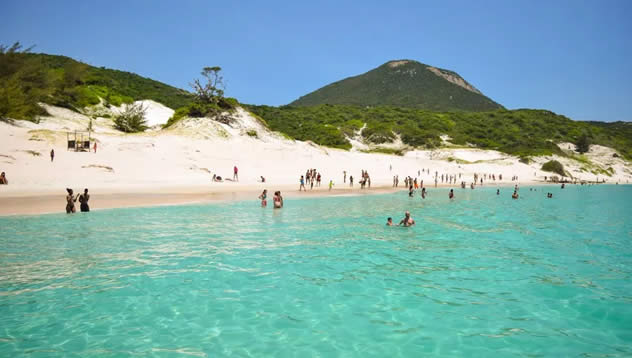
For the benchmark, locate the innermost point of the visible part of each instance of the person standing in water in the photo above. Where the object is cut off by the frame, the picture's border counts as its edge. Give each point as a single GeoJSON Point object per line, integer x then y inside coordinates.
{"type": "Point", "coordinates": [278, 200]}
{"type": "Point", "coordinates": [423, 193]}
{"type": "Point", "coordinates": [52, 155]}
{"type": "Point", "coordinates": [411, 192]}
{"type": "Point", "coordinates": [407, 220]}
{"type": "Point", "coordinates": [70, 202]}
{"type": "Point", "coordinates": [497, 191]}
{"type": "Point", "coordinates": [451, 195]}
{"type": "Point", "coordinates": [83, 200]}
{"type": "Point", "coordinates": [263, 198]}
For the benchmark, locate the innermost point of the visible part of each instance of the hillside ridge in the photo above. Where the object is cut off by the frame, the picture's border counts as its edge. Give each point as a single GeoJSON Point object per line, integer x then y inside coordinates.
{"type": "Point", "coordinates": [403, 83]}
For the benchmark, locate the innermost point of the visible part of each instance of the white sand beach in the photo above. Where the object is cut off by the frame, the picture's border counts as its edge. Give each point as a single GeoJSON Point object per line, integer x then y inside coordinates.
{"type": "Point", "coordinates": [176, 165]}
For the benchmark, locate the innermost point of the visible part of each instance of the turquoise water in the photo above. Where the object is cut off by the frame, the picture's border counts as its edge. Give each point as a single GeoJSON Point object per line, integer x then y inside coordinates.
{"type": "Point", "coordinates": [481, 276]}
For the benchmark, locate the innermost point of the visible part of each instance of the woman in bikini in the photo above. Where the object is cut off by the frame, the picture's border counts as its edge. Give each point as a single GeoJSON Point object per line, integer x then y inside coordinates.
{"type": "Point", "coordinates": [263, 198]}
{"type": "Point", "coordinates": [278, 200]}
{"type": "Point", "coordinates": [70, 202]}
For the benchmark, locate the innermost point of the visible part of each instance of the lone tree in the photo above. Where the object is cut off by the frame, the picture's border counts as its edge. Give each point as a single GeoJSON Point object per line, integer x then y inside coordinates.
{"type": "Point", "coordinates": [132, 119]}
{"type": "Point", "coordinates": [583, 143]}
{"type": "Point", "coordinates": [213, 90]}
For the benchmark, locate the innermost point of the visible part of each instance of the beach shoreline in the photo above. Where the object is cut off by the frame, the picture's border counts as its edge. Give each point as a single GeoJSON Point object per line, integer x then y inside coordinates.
{"type": "Point", "coordinates": [48, 201]}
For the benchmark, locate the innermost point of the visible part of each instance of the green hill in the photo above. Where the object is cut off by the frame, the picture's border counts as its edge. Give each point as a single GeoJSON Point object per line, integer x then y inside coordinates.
{"type": "Point", "coordinates": [403, 83]}
{"type": "Point", "coordinates": [522, 132]}
{"type": "Point", "coordinates": [27, 79]}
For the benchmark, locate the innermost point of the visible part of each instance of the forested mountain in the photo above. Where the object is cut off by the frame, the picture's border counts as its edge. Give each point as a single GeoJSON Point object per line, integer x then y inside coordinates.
{"type": "Point", "coordinates": [403, 83]}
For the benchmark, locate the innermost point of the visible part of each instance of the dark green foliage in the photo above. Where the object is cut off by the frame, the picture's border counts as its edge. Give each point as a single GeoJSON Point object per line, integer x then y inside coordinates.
{"type": "Point", "coordinates": [583, 144]}
{"type": "Point", "coordinates": [252, 133]}
{"type": "Point", "coordinates": [554, 166]}
{"type": "Point", "coordinates": [407, 84]}
{"type": "Point", "coordinates": [27, 79]}
{"type": "Point", "coordinates": [132, 119]}
{"type": "Point", "coordinates": [521, 132]}
{"type": "Point", "coordinates": [199, 110]}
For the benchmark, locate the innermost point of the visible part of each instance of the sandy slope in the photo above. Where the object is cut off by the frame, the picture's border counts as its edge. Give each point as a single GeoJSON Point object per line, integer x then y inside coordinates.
{"type": "Point", "coordinates": [182, 159]}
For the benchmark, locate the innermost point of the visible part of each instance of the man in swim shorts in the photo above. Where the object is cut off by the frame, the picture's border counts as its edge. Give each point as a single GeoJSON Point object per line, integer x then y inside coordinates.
{"type": "Point", "coordinates": [407, 220]}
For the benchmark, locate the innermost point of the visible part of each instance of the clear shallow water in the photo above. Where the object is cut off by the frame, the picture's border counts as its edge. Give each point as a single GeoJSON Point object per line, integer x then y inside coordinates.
{"type": "Point", "coordinates": [481, 276]}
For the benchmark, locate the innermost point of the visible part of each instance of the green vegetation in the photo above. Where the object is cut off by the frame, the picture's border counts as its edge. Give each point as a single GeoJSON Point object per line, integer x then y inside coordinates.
{"type": "Point", "coordinates": [27, 79]}
{"type": "Point", "coordinates": [398, 152]}
{"type": "Point", "coordinates": [583, 144]}
{"type": "Point", "coordinates": [209, 99]}
{"type": "Point", "coordinates": [252, 133]}
{"type": "Point", "coordinates": [403, 84]}
{"type": "Point", "coordinates": [523, 132]}
{"type": "Point", "coordinates": [554, 166]}
{"type": "Point", "coordinates": [132, 119]}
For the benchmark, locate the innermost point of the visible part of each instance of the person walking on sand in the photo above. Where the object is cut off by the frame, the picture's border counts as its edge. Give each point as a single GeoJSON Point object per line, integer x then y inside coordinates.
{"type": "Point", "coordinates": [302, 186]}
{"type": "Point", "coordinates": [235, 174]}
{"type": "Point", "coordinates": [351, 181]}
{"type": "Point", "coordinates": [344, 176]}
{"type": "Point", "coordinates": [52, 155]}
{"type": "Point", "coordinates": [95, 147]}
{"type": "Point", "coordinates": [70, 202]}
{"type": "Point", "coordinates": [83, 200]}
{"type": "Point", "coordinates": [331, 184]}
{"type": "Point", "coordinates": [263, 198]}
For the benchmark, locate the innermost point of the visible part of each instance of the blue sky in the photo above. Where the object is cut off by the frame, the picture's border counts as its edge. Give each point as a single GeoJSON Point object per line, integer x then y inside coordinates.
{"type": "Point", "coordinates": [571, 57]}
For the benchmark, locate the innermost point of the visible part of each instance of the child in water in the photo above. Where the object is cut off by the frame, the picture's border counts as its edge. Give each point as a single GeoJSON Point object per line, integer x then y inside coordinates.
{"type": "Point", "coordinates": [389, 222]}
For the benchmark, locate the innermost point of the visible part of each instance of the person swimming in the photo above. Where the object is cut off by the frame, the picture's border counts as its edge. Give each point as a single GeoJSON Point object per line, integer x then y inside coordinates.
{"type": "Point", "coordinates": [497, 191]}
{"type": "Point", "coordinates": [407, 220]}
{"type": "Point", "coordinates": [451, 195]}
{"type": "Point", "coordinates": [423, 193]}
{"type": "Point", "coordinates": [263, 198]}
{"type": "Point", "coordinates": [83, 199]}
{"type": "Point", "coordinates": [514, 195]}
{"type": "Point", "coordinates": [389, 222]}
